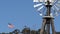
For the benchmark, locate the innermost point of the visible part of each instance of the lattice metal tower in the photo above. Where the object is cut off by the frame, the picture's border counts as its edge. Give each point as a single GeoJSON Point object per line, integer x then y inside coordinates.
{"type": "Point", "coordinates": [47, 21]}
{"type": "Point", "coordinates": [48, 18]}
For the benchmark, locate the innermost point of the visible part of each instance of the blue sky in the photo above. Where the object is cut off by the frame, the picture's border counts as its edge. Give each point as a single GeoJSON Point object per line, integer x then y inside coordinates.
{"type": "Point", "coordinates": [21, 13]}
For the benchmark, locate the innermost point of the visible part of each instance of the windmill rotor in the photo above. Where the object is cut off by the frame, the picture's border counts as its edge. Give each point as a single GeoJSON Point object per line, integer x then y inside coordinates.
{"type": "Point", "coordinates": [41, 5]}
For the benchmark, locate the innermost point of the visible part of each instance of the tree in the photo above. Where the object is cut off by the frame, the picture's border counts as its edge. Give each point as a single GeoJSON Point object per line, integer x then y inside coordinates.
{"type": "Point", "coordinates": [16, 31]}
{"type": "Point", "coordinates": [33, 32]}
{"type": "Point", "coordinates": [26, 31]}
{"type": "Point", "coordinates": [10, 33]}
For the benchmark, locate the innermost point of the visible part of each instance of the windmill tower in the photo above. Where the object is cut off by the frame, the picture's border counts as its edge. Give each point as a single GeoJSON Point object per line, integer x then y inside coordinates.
{"type": "Point", "coordinates": [51, 8]}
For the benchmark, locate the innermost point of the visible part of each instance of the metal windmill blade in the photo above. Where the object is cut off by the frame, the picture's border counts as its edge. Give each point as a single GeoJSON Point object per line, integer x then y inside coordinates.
{"type": "Point", "coordinates": [56, 7]}
{"type": "Point", "coordinates": [40, 5]}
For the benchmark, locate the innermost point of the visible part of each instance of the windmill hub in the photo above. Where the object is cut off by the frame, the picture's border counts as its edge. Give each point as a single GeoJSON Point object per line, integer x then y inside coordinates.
{"type": "Point", "coordinates": [48, 4]}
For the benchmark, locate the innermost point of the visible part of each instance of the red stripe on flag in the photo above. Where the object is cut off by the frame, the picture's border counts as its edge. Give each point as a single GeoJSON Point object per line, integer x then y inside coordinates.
{"type": "Point", "coordinates": [10, 25]}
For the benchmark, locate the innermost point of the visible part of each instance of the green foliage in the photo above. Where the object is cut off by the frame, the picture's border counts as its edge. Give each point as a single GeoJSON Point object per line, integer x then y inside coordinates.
{"type": "Point", "coordinates": [10, 33]}
{"type": "Point", "coordinates": [26, 31]}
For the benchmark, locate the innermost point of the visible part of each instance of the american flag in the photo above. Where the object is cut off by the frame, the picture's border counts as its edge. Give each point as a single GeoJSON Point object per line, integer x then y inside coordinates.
{"type": "Point", "coordinates": [10, 25]}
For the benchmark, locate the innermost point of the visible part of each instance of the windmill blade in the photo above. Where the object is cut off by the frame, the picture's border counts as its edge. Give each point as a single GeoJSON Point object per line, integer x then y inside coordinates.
{"type": "Point", "coordinates": [51, 14]}
{"type": "Point", "coordinates": [56, 14]}
{"type": "Point", "coordinates": [35, 1]}
{"type": "Point", "coordinates": [41, 14]}
{"type": "Point", "coordinates": [40, 8]}
{"type": "Point", "coordinates": [58, 2]}
{"type": "Point", "coordinates": [37, 5]}
{"type": "Point", "coordinates": [56, 7]}
{"type": "Point", "coordinates": [53, 8]}
{"type": "Point", "coordinates": [55, 1]}
{"type": "Point", "coordinates": [38, 0]}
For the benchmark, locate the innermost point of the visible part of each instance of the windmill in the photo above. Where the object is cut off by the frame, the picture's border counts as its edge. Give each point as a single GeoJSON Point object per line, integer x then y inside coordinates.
{"type": "Point", "coordinates": [48, 9]}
